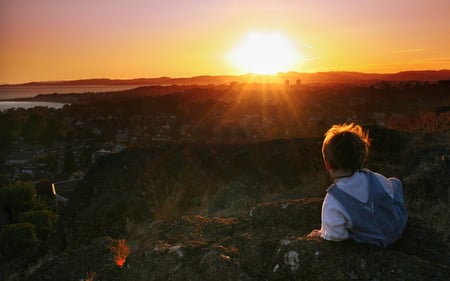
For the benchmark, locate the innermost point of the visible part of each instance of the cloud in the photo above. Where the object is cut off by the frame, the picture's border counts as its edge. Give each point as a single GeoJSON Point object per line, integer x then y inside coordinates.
{"type": "Point", "coordinates": [439, 60]}
{"type": "Point", "coordinates": [417, 50]}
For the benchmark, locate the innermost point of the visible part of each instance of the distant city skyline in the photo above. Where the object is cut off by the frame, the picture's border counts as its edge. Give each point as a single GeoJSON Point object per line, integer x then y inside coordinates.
{"type": "Point", "coordinates": [120, 39]}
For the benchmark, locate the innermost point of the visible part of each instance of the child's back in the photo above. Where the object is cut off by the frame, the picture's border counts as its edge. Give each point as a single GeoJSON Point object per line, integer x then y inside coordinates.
{"type": "Point", "coordinates": [380, 217]}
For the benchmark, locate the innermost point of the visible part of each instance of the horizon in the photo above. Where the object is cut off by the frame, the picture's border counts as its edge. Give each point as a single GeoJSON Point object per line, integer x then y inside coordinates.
{"type": "Point", "coordinates": [271, 77]}
{"type": "Point", "coordinates": [51, 40]}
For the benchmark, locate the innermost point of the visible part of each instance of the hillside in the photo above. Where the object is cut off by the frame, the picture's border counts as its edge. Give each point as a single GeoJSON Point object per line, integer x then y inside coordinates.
{"type": "Point", "coordinates": [241, 212]}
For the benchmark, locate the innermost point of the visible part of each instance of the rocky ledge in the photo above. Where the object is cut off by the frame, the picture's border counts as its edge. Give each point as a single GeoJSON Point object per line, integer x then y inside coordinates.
{"type": "Point", "coordinates": [267, 244]}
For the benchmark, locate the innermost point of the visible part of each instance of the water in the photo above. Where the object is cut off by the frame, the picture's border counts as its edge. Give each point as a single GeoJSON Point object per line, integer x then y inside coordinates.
{"type": "Point", "coordinates": [13, 92]}
{"type": "Point", "coordinates": [9, 93]}
{"type": "Point", "coordinates": [5, 105]}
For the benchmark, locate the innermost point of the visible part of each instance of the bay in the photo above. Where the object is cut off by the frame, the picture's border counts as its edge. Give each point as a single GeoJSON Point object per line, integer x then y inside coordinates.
{"type": "Point", "coordinates": [14, 92]}
{"type": "Point", "coordinates": [5, 105]}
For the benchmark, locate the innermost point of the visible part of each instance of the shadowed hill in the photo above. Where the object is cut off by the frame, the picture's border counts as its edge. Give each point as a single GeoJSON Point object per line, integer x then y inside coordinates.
{"type": "Point", "coordinates": [241, 212]}
{"type": "Point", "coordinates": [141, 184]}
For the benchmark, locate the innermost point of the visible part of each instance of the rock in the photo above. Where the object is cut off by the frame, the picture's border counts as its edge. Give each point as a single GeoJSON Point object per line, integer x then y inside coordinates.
{"type": "Point", "coordinates": [315, 259]}
{"type": "Point", "coordinates": [96, 258]}
{"type": "Point", "coordinates": [299, 214]}
{"type": "Point", "coordinates": [268, 244]}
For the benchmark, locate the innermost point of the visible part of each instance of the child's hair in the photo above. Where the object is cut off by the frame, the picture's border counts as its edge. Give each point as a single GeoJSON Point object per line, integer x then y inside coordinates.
{"type": "Point", "coordinates": [346, 146]}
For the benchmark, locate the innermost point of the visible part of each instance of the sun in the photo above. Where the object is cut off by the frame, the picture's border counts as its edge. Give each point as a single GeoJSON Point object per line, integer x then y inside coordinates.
{"type": "Point", "coordinates": [264, 52]}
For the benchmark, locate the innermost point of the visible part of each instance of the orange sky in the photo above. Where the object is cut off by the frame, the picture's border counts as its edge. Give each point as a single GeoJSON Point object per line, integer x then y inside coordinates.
{"type": "Point", "coordinates": [74, 39]}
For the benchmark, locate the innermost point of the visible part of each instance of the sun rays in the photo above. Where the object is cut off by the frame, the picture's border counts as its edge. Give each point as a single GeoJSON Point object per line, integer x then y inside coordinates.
{"type": "Point", "coordinates": [251, 110]}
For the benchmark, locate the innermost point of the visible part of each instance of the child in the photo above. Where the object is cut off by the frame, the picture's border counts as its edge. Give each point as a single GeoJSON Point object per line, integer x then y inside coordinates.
{"type": "Point", "coordinates": [361, 204]}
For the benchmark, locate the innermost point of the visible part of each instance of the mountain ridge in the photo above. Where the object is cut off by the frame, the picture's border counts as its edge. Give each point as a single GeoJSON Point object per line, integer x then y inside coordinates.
{"type": "Point", "coordinates": [305, 77]}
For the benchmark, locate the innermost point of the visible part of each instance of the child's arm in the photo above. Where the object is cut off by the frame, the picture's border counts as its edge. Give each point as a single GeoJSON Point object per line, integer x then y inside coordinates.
{"type": "Point", "coordinates": [334, 227]}
{"type": "Point", "coordinates": [335, 221]}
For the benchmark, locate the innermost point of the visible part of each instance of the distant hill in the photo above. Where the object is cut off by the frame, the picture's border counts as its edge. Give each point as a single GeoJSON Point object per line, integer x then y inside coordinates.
{"type": "Point", "coordinates": [318, 77]}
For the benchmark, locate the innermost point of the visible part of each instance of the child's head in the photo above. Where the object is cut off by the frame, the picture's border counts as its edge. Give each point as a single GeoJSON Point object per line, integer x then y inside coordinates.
{"type": "Point", "coordinates": [345, 146]}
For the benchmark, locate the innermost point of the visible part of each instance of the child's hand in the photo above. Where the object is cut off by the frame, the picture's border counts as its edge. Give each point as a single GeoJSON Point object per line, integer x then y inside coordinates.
{"type": "Point", "coordinates": [314, 233]}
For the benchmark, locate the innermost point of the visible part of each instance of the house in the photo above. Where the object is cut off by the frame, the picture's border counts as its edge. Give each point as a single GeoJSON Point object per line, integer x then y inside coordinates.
{"type": "Point", "coordinates": [16, 162]}
{"type": "Point", "coordinates": [62, 190]}
{"type": "Point", "coordinates": [122, 137]}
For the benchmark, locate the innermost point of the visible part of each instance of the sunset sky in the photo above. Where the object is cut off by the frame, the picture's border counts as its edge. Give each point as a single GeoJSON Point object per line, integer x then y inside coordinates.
{"type": "Point", "coordinates": [76, 39]}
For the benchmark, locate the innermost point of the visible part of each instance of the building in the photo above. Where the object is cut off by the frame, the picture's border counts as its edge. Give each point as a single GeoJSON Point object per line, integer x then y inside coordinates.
{"type": "Point", "coordinates": [62, 191]}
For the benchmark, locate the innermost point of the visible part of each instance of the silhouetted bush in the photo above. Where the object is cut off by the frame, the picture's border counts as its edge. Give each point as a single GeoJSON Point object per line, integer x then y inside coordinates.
{"type": "Point", "coordinates": [44, 189]}
{"type": "Point", "coordinates": [17, 198]}
{"type": "Point", "coordinates": [44, 221]}
{"type": "Point", "coordinates": [18, 240]}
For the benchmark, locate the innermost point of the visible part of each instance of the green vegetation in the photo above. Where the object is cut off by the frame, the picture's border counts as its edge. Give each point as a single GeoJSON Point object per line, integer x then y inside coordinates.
{"type": "Point", "coordinates": [28, 221]}
{"type": "Point", "coordinates": [10, 125]}
{"type": "Point", "coordinates": [44, 220]}
{"type": "Point", "coordinates": [16, 198]}
{"type": "Point", "coordinates": [18, 240]}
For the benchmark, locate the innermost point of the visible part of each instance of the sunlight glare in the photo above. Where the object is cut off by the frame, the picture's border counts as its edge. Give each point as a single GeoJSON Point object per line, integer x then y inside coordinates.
{"type": "Point", "coordinates": [264, 53]}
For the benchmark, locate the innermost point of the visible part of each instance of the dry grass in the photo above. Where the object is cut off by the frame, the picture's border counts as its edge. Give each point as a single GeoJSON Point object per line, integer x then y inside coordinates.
{"type": "Point", "coordinates": [90, 276]}
{"type": "Point", "coordinates": [167, 209]}
{"type": "Point", "coordinates": [120, 250]}
{"type": "Point", "coordinates": [424, 122]}
{"type": "Point", "coordinates": [436, 214]}
{"type": "Point", "coordinates": [136, 230]}
{"type": "Point", "coordinates": [428, 194]}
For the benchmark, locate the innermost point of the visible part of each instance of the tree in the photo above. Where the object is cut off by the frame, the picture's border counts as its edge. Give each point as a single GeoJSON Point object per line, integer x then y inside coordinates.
{"type": "Point", "coordinates": [18, 240]}
{"type": "Point", "coordinates": [9, 129]}
{"type": "Point", "coordinates": [44, 221]}
{"type": "Point", "coordinates": [33, 127]}
{"type": "Point", "coordinates": [86, 156]}
{"type": "Point", "coordinates": [44, 188]}
{"type": "Point", "coordinates": [69, 160]}
{"type": "Point", "coordinates": [30, 221]}
{"type": "Point", "coordinates": [53, 131]}
{"type": "Point", "coordinates": [17, 197]}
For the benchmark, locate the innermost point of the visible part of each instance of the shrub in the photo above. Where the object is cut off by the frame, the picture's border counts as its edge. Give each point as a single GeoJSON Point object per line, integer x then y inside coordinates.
{"type": "Point", "coordinates": [17, 198]}
{"type": "Point", "coordinates": [233, 198]}
{"type": "Point", "coordinates": [18, 240]}
{"type": "Point", "coordinates": [44, 189]}
{"type": "Point", "coordinates": [44, 221]}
